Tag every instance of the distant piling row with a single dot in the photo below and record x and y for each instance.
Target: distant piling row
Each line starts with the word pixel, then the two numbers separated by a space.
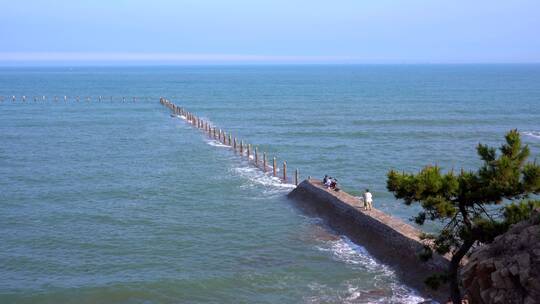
pixel 251 153
pixel 74 98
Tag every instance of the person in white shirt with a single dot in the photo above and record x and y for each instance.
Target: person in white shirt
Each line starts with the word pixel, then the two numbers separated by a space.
pixel 368 200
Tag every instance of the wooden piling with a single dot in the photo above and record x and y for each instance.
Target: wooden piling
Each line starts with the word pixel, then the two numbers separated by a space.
pixel 256 157
pixel 284 171
pixel 221 136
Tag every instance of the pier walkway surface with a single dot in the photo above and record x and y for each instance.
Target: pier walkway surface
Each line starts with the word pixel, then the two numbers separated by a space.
pixel 387 238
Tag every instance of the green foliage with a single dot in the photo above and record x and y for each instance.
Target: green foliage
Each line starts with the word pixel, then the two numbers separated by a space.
pixel 518 212
pixel 429 187
pixel 468 203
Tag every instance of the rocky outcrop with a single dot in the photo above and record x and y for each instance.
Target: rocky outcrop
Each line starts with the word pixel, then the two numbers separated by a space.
pixel 507 270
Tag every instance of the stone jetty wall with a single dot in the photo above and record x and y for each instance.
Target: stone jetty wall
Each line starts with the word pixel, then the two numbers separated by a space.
pixel 388 239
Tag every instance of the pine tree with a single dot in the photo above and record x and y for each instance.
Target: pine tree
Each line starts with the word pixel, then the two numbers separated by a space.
pixel 473 206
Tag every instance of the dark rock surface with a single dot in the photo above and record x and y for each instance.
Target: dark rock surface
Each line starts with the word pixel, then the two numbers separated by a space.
pixel 507 270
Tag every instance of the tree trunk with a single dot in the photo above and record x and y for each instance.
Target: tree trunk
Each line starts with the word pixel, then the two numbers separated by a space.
pixel 455 293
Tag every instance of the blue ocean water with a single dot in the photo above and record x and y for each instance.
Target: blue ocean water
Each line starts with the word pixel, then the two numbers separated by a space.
pixel 117 202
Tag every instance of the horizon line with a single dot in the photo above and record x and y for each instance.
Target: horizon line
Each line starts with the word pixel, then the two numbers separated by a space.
pixel 127 58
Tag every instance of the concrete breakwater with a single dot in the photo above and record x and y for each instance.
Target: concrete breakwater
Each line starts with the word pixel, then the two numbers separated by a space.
pixel 388 239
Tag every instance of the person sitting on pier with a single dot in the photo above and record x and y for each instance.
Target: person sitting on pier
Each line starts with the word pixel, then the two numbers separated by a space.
pixel 368 200
pixel 333 184
pixel 328 181
pixel 325 179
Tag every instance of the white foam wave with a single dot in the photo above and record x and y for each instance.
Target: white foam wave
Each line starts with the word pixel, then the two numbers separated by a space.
pixel 255 176
pixel 344 250
pixel 533 134
pixel 216 143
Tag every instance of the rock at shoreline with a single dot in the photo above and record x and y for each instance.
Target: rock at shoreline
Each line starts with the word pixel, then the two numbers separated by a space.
pixel 507 270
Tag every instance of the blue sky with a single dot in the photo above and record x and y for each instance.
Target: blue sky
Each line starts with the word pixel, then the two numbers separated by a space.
pixel 277 31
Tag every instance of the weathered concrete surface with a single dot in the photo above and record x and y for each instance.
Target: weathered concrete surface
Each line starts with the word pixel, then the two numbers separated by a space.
pixel 388 239
pixel 507 270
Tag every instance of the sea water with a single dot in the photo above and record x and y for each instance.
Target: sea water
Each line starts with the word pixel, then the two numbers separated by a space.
pixel 117 202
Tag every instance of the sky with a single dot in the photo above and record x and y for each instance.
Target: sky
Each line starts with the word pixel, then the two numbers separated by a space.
pixel 264 31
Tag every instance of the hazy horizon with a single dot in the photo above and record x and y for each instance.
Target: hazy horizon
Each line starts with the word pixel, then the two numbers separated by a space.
pixel 61 32
pixel 69 64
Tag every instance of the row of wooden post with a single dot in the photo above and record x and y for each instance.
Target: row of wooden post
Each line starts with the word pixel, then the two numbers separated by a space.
pixel 221 136
pixel 100 98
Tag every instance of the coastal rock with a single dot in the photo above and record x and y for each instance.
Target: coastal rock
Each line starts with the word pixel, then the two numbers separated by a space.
pixel 507 270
